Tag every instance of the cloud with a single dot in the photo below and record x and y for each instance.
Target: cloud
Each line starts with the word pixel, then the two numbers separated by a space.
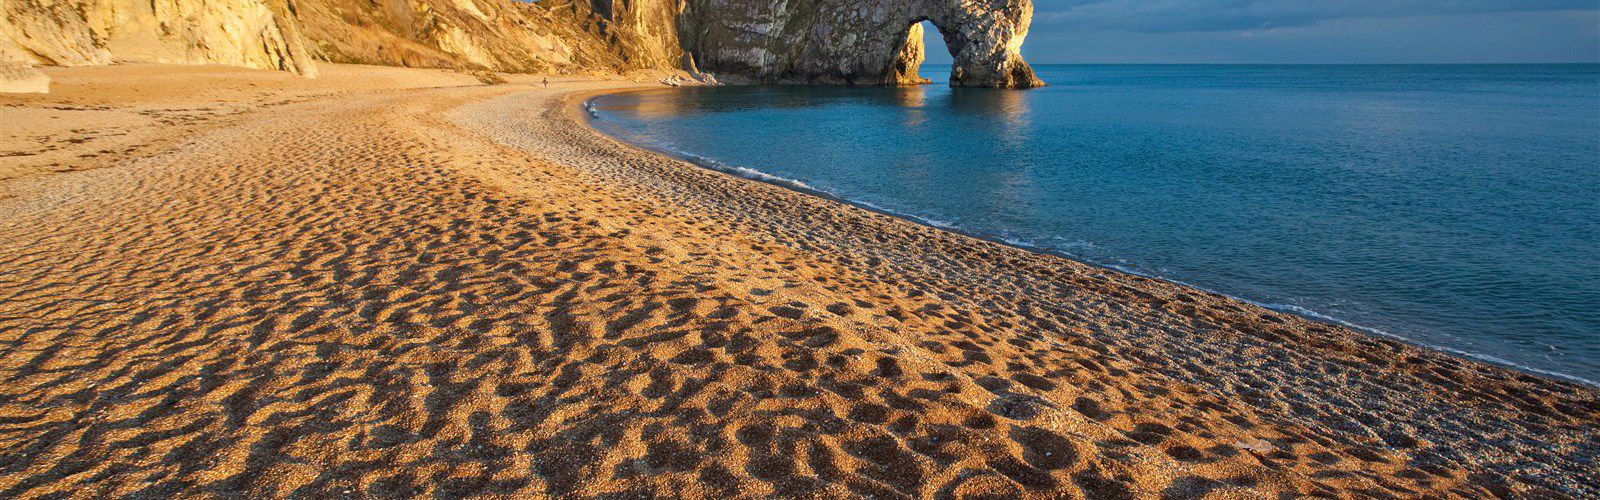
pixel 1170 16
pixel 1500 37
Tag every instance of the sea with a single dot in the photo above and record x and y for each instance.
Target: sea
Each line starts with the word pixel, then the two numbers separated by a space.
pixel 1455 207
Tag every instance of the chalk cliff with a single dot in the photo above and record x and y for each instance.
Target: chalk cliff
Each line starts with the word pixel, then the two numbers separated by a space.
pixel 809 41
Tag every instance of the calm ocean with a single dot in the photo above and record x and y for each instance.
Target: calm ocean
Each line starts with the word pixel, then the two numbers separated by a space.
pixel 1454 206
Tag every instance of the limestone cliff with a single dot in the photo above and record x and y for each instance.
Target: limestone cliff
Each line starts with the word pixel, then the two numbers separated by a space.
pixel 498 35
pixel 82 32
pixel 860 42
pixel 492 35
pixel 811 41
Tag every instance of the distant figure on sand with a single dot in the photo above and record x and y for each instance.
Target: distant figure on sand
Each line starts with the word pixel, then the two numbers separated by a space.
pixel 546 83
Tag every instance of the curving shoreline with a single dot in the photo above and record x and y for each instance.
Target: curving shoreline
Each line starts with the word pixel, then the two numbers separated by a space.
pixel 442 288
pixel 591 118
pixel 1013 272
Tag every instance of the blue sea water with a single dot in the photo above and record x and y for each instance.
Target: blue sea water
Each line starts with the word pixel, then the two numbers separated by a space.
pixel 1454 206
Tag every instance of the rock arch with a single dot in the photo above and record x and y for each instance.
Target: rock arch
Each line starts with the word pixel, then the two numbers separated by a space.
pixel 862 42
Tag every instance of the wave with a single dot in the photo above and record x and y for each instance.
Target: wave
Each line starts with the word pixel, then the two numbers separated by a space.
pixel 1491 359
pixel 1065 250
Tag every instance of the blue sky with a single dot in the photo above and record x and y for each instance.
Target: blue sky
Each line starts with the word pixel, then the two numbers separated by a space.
pixel 1309 31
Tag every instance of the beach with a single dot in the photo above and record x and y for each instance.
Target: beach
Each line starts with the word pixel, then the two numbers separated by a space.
pixel 391 282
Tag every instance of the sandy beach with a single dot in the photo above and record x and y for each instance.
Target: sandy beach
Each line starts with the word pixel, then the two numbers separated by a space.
pixel 391 282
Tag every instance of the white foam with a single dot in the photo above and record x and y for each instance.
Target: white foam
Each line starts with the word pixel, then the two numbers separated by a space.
pixel 751 173
pixel 914 217
pixel 1375 331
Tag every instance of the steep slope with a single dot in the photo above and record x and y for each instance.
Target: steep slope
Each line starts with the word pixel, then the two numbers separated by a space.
pixel 246 33
pixel 289 35
pixel 499 35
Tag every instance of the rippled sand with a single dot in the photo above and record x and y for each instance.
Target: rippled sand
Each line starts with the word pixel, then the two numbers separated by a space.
pixel 364 289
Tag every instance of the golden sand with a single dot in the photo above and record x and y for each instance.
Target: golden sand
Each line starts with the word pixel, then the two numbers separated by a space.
pixel 391 282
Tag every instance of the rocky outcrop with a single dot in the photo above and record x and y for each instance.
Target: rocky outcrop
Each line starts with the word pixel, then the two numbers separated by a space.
pixel 907 60
pixel 858 42
pixel 48 32
pixel 247 33
pixel 645 32
pixel 810 41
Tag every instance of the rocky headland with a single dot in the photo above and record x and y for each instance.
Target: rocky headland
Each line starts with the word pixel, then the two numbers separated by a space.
pixel 867 42
pixel 875 42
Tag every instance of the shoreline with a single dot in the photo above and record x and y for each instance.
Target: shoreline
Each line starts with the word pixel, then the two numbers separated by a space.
pixel 715 189
pixel 588 118
pixel 457 290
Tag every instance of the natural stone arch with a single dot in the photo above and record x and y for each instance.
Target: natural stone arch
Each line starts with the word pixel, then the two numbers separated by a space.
pixel 862 42
pixel 985 40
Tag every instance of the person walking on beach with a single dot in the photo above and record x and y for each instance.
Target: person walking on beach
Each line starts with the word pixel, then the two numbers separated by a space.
pixel 546 82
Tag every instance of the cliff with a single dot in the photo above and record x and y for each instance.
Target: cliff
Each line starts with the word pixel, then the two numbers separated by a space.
pixel 290 35
pixel 497 35
pixel 83 32
pixel 813 41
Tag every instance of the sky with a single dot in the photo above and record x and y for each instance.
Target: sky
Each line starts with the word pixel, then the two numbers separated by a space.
pixel 1308 31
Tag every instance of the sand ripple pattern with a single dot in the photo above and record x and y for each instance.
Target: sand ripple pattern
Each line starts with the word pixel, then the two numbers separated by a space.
pixel 361 297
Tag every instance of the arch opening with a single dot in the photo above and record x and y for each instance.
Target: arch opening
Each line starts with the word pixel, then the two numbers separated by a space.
pixel 923 42
pixel 938 52
pixel 980 61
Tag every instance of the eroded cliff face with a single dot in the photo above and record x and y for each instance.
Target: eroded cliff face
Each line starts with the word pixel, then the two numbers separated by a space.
pixel 495 35
pixel 907 60
pixel 861 42
pixel 82 32
pixel 811 41
pixel 290 35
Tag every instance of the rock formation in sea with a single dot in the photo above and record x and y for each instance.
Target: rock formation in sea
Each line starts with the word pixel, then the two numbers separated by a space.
pixel 860 42
pixel 804 41
pixel 907 60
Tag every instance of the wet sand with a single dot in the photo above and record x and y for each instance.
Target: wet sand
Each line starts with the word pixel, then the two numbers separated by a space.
pixel 401 288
